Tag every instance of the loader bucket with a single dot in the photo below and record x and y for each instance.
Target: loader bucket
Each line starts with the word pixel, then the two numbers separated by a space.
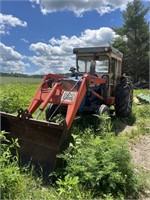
pixel 39 141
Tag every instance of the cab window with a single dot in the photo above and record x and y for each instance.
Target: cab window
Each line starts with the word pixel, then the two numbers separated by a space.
pixel 84 63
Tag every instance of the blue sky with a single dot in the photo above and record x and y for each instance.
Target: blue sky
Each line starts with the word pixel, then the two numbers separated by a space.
pixel 37 37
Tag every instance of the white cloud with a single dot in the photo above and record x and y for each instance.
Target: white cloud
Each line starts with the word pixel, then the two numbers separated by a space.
pixel 7 21
pixel 24 40
pixel 104 9
pixel 79 7
pixel 11 60
pixel 58 54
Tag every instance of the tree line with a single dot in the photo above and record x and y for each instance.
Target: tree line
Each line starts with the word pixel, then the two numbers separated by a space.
pixel 134 41
pixel 20 75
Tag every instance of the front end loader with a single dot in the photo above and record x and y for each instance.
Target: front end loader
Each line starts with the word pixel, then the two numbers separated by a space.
pixel 40 141
pixel 93 91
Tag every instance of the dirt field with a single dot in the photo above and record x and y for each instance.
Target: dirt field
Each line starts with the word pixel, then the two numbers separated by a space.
pixel 140 152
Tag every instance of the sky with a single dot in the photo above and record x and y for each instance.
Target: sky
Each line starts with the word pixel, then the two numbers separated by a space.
pixel 38 36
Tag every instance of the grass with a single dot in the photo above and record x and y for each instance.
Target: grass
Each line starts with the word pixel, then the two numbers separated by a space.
pixel 141 113
pixel 143 91
pixel 139 118
pixel 16 95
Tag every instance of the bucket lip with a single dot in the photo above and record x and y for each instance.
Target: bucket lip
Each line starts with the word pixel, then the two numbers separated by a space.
pixel 32 120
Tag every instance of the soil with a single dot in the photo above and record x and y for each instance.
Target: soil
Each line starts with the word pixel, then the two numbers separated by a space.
pixel 140 152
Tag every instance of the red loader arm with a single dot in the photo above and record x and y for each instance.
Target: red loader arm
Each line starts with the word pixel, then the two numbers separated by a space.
pixel 87 81
pixel 43 93
pixel 55 95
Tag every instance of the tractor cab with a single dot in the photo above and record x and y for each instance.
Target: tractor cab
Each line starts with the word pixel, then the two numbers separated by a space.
pixel 103 62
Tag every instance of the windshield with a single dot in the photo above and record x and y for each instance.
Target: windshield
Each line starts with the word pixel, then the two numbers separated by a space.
pixel 102 64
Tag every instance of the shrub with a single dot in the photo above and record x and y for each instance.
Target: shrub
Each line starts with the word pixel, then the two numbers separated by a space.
pixel 102 165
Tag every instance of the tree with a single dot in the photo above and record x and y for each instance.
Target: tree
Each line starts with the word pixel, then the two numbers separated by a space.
pixel 136 46
pixel 121 44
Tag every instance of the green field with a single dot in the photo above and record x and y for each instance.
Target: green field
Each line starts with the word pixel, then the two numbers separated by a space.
pixel 4 80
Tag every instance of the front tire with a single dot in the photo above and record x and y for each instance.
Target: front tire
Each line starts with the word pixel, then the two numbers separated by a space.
pixel 103 110
pixel 50 112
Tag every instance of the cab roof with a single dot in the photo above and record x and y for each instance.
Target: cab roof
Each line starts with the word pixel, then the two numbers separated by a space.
pixel 100 49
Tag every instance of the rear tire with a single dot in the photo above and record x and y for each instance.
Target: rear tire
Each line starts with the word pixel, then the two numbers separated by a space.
pixel 123 99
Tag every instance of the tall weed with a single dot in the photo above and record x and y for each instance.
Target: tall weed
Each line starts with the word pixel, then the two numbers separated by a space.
pixel 20 182
pixel 11 181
